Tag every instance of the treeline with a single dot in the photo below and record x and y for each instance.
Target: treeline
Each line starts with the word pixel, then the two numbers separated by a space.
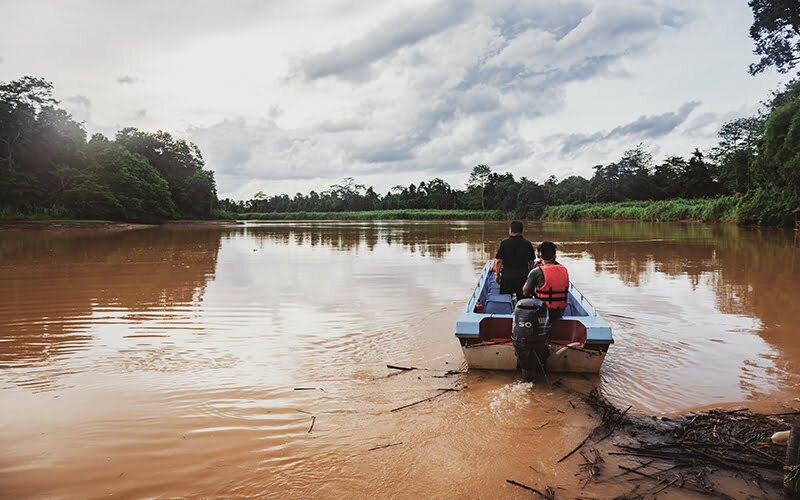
pixel 49 169
pixel 755 167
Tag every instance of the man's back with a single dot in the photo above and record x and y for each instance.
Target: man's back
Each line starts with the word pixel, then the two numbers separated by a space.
pixel 516 252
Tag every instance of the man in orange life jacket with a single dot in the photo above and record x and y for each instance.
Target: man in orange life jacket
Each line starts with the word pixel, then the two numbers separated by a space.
pixel 549 282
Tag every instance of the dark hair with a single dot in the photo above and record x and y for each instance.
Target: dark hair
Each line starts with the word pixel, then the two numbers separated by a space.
pixel 515 226
pixel 548 250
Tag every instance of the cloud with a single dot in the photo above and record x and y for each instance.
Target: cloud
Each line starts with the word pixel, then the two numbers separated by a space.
pixel 644 127
pixel 79 107
pixel 127 80
pixel 351 61
pixel 433 92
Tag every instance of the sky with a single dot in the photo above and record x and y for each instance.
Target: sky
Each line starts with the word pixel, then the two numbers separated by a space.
pixel 286 96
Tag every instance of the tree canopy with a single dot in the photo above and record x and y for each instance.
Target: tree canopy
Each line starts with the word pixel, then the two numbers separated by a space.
pixel 776 33
pixel 47 166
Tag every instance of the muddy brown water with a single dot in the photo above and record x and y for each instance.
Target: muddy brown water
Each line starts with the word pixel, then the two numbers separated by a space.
pixel 166 362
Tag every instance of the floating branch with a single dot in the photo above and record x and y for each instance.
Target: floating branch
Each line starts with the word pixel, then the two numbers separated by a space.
pixel 403 368
pixel 511 481
pixel 384 446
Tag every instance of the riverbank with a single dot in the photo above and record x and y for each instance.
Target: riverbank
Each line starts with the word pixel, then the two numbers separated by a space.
pixel 716 210
pixel 728 209
pixel 100 225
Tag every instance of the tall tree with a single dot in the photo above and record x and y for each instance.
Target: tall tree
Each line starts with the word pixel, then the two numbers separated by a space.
pixel 776 32
pixel 478 178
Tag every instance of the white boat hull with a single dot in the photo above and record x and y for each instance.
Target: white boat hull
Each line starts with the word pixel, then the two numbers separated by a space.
pixel 561 359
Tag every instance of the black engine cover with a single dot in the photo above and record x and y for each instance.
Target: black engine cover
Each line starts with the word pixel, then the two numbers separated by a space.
pixel 530 337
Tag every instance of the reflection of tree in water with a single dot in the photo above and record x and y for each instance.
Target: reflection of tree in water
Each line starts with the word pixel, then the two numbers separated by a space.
pixel 752 272
pixel 430 239
pixel 53 283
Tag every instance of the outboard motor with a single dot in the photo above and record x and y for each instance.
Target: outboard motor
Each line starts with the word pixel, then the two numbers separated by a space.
pixel 530 337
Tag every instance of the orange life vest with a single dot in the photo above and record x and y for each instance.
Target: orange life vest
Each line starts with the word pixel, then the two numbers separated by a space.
pixel 556 285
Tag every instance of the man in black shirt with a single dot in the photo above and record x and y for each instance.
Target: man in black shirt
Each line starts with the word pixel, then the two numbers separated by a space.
pixel 514 258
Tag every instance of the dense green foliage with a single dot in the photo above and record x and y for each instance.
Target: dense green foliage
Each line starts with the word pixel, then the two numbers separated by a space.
pixel 722 209
pixel 412 214
pixel 49 169
pixel 776 32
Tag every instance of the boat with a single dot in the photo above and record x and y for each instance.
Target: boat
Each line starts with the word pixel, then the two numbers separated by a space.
pixel 578 342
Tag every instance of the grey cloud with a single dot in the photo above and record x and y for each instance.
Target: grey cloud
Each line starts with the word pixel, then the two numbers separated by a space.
pixel 388 156
pixel 351 61
pixel 655 126
pixel 140 114
pixel 644 127
pixel 127 80
pixel 79 106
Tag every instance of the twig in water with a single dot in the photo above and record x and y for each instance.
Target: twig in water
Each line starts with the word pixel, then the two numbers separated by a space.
pixel 404 368
pixel 444 391
pixel 308 389
pixel 570 403
pixel 541 426
pixel 576 448
pixel 640 466
pixel 313 418
pixel 384 446
pixel 511 481
pixel 635 471
pixel 303 411
pixel 614 425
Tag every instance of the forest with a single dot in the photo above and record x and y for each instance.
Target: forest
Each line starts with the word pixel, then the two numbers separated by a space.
pixel 49 169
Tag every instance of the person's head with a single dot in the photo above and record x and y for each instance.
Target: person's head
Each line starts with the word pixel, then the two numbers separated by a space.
pixel 539 251
pixel 515 227
pixel 548 250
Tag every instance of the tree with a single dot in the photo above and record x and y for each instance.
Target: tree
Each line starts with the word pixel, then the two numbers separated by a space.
pixel 478 179
pixel 439 194
pixel 740 140
pixel 180 163
pixel 779 163
pixel 776 32
pixel 696 178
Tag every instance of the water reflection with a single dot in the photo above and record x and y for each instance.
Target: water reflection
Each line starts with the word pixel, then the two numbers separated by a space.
pixel 59 288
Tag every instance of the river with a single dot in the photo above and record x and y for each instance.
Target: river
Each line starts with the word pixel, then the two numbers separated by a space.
pixel 250 360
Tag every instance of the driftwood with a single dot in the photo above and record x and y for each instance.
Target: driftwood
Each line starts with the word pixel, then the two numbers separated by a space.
pixel 549 492
pixel 685 452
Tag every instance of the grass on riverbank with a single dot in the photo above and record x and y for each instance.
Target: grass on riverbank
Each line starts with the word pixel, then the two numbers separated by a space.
pixel 413 214
pixel 722 209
